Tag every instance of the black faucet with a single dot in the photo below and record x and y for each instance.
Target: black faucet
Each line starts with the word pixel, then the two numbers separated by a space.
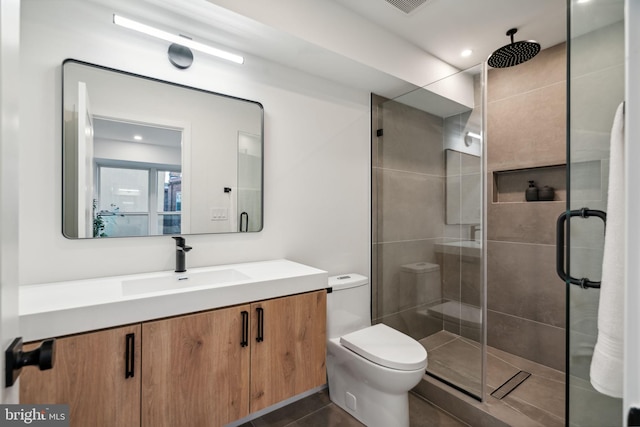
pixel 181 249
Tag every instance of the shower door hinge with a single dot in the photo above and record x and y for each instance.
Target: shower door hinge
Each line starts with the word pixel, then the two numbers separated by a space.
pixel 379 132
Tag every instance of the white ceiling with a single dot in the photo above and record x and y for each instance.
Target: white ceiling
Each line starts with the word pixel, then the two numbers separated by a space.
pixel 446 27
pixel 441 28
pixel 113 130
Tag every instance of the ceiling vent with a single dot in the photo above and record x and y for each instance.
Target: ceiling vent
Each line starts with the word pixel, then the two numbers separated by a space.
pixel 407 6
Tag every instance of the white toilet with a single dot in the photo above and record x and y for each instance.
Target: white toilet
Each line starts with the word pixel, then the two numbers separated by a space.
pixel 370 368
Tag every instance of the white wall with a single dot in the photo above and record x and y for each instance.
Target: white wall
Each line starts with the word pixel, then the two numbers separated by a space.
pixel 9 152
pixel 317 155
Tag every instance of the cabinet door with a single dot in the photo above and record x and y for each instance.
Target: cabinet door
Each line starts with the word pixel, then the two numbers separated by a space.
pixel 195 370
pixel 97 374
pixel 289 347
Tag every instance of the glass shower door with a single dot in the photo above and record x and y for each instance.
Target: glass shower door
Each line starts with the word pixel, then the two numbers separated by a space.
pixel 427 225
pixel 596 89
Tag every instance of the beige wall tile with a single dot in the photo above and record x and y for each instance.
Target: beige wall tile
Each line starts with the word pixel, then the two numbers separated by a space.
pixel 522 282
pixel 535 341
pixel 597 50
pixel 533 222
pixel 410 206
pixel 547 68
pixel 412 140
pixel 528 130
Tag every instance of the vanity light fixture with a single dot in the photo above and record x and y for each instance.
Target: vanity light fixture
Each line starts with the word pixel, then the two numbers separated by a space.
pixel 176 39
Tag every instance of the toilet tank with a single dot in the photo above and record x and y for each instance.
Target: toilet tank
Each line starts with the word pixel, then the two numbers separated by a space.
pixel 348 304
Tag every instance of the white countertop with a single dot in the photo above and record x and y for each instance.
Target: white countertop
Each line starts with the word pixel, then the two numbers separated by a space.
pixel 63 308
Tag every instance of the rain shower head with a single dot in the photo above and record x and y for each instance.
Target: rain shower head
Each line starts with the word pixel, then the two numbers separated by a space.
pixel 514 53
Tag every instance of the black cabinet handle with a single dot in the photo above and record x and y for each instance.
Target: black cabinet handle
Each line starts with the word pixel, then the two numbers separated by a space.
pixel 245 328
pixel 260 336
pixel 129 355
pixel 560 226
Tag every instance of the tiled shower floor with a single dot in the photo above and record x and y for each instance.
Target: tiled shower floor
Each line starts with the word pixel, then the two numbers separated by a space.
pixel 540 397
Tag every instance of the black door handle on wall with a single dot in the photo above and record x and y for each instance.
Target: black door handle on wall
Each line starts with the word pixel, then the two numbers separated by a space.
pixel 15 359
pixel 560 229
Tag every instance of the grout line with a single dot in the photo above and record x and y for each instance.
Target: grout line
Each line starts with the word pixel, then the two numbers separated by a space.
pixel 454 338
pixel 528 320
pixel 410 172
pixel 560 419
pixel 530 91
pixel 437 407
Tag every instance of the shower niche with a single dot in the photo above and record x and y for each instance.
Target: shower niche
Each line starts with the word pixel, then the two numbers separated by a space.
pixel 509 186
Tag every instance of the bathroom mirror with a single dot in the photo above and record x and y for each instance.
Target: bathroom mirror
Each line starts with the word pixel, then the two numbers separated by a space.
pixel 463 187
pixel 145 157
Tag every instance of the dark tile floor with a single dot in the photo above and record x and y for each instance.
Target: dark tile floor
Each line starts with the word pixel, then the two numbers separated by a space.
pixel 538 401
pixel 318 411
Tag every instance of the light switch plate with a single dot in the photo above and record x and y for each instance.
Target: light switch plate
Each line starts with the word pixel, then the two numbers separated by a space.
pixel 219 214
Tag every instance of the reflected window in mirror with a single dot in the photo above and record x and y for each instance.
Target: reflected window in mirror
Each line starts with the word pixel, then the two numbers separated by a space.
pixel 137 202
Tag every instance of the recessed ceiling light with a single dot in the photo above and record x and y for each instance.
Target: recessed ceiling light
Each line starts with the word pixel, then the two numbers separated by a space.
pixel 583 1
pixel 466 53
pixel 137 137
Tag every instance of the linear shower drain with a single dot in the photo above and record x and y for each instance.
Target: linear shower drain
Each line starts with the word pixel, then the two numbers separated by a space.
pixel 510 384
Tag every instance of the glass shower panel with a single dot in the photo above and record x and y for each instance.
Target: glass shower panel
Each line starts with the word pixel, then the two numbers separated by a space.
pixel 428 215
pixel 596 88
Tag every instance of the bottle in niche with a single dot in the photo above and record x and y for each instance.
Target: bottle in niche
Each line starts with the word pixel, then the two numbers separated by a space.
pixel 531 195
pixel 546 193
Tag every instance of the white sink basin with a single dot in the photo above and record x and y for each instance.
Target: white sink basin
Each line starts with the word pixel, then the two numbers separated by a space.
pixel 178 281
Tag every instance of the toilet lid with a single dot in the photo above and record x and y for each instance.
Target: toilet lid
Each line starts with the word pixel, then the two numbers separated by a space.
pixel 387 347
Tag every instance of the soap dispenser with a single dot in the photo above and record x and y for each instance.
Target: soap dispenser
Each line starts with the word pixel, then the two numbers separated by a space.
pixel 531 195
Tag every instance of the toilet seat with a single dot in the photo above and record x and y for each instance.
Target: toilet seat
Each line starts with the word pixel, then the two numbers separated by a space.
pixel 387 347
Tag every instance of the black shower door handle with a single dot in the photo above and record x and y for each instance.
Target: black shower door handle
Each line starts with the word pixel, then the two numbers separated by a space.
pixel 560 231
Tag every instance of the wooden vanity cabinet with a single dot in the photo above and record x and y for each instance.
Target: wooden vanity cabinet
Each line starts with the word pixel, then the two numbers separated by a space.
pixel 195 370
pixel 289 352
pixel 218 366
pixel 202 369
pixel 97 374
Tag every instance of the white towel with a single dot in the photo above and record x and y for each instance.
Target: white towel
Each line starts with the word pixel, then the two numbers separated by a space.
pixel 607 362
